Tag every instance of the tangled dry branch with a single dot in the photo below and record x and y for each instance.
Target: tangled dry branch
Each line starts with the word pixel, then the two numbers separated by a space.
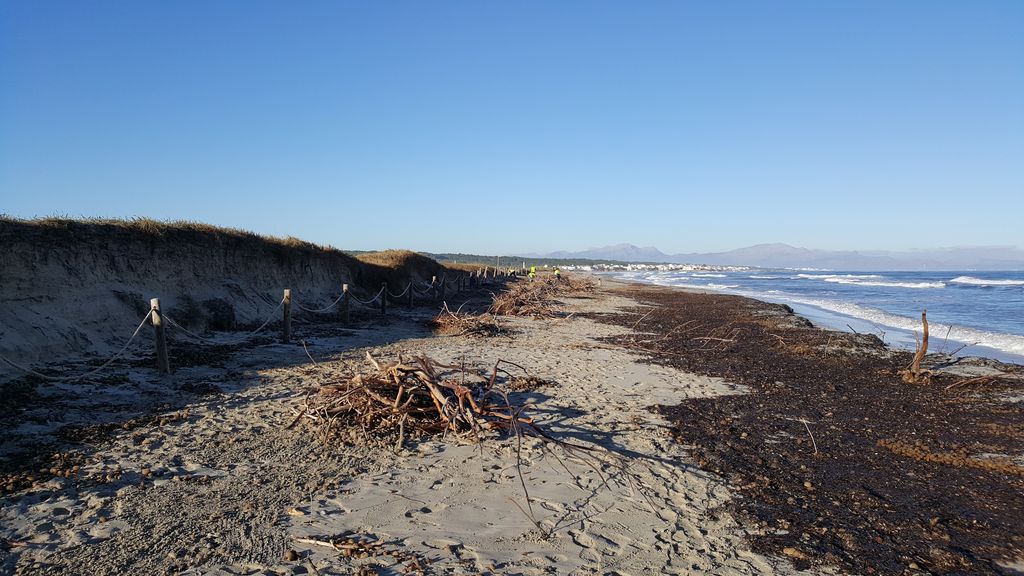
pixel 459 323
pixel 419 397
pixel 407 399
pixel 536 298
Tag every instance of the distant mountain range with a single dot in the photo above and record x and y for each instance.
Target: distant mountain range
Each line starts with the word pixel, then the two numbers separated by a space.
pixel 786 256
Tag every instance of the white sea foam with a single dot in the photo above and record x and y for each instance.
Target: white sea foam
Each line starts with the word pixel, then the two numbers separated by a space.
pixel 682 283
pixel 825 276
pixel 1010 343
pixel 859 282
pixel 1004 342
pixel 868 280
pixel 756 277
pixel 709 275
pixel 983 282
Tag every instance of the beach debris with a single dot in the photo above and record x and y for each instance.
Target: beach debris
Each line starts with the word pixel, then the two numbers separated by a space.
pixel 418 397
pixel 525 383
pixel 362 546
pixel 412 398
pixel 536 298
pixel 957 456
pixel 914 374
pixel 459 323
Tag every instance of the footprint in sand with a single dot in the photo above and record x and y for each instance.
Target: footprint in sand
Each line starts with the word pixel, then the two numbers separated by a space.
pixel 667 515
pixel 454 547
pixel 617 543
pixel 582 539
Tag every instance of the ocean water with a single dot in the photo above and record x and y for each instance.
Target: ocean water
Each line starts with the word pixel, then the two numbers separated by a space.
pixel 982 311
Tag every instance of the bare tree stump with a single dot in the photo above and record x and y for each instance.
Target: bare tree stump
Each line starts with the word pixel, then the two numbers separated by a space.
pixel 914 374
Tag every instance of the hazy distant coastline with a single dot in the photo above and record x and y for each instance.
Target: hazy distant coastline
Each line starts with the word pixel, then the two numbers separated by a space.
pixel 786 256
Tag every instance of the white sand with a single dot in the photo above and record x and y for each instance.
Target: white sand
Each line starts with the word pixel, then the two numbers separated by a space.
pixel 229 489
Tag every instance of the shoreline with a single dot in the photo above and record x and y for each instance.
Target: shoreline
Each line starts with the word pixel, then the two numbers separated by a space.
pixel 199 472
pixel 895 330
pixel 839 462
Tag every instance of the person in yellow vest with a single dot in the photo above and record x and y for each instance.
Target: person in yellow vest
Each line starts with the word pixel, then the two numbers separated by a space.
pixel 558 274
pixel 533 273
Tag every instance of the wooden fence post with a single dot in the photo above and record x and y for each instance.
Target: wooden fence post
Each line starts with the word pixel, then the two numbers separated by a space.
pixel 163 364
pixel 344 304
pixel 286 324
pixel 384 299
pixel 433 286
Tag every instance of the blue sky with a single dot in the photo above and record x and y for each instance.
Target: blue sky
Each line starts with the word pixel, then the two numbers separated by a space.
pixel 501 127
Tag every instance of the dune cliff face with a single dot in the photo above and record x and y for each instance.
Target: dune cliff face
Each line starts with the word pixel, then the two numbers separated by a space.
pixel 68 288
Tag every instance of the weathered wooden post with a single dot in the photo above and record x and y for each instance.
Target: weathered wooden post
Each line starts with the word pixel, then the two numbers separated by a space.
pixel 384 299
pixel 163 364
pixel 286 319
pixel 412 291
pixel 433 286
pixel 344 304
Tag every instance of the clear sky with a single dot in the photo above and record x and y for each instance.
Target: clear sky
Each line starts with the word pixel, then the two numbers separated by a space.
pixel 501 127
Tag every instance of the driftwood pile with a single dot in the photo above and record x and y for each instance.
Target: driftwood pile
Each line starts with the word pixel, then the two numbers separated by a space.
pixel 459 323
pixel 536 298
pixel 419 397
pixel 413 398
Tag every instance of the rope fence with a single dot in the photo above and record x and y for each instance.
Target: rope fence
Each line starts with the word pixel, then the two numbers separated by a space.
pixel 371 300
pixel 244 337
pixel 325 309
pixel 434 290
pixel 87 374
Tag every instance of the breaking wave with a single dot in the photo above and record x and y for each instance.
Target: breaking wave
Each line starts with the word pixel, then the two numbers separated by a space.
pixel 1010 343
pixel 869 280
pixel 972 281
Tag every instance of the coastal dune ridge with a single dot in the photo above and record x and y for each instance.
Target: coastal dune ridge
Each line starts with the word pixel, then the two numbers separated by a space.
pixel 72 287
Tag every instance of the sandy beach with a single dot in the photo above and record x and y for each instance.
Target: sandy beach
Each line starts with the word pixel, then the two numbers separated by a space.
pixel 199 472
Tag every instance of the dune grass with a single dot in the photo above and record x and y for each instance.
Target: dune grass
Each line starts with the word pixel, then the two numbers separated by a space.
pixel 395 258
pixel 152 227
pixel 65 228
